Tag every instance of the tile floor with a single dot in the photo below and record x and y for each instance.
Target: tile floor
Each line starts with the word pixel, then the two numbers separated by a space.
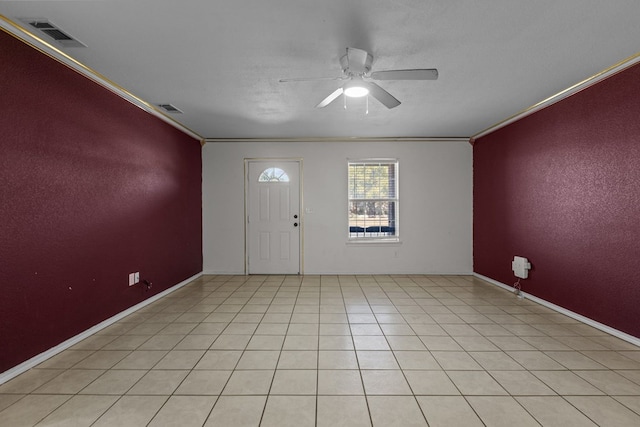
pixel 335 351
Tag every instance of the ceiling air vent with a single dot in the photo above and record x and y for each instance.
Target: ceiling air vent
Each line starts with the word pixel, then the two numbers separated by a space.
pixel 53 32
pixel 170 108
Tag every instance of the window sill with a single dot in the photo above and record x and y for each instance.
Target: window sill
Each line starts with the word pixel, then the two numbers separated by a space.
pixel 372 242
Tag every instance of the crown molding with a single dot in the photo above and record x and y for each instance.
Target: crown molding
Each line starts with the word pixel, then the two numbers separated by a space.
pixel 340 139
pixel 23 34
pixel 590 81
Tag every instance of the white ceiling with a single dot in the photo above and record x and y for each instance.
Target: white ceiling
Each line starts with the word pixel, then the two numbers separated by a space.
pixel 220 61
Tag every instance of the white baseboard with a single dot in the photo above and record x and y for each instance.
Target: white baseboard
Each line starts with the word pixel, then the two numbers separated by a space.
pixel 36 360
pixel 608 329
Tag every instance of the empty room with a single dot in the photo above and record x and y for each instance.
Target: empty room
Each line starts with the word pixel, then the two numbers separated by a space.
pixel 319 213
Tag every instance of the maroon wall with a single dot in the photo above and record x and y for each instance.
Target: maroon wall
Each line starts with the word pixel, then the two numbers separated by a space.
pixel 562 188
pixel 92 188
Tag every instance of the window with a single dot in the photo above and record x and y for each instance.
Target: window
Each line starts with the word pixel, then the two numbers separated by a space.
pixel 373 200
pixel 273 175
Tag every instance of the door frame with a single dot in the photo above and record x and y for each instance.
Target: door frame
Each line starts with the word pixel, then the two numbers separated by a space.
pixel 247 161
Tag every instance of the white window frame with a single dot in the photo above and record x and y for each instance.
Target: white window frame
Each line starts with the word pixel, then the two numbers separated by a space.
pixel 362 237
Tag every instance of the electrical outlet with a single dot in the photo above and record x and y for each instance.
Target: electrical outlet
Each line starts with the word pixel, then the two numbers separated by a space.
pixel 132 279
pixel 136 277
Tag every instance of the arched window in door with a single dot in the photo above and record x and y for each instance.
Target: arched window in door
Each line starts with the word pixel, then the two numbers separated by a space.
pixel 273 175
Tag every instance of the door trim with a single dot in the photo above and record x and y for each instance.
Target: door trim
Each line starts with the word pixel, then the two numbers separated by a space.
pixel 298 160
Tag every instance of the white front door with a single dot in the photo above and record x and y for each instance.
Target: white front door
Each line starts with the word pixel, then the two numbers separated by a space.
pixel 273 216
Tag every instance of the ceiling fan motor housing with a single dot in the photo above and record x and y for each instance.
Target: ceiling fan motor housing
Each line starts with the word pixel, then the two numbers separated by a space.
pixel 356 62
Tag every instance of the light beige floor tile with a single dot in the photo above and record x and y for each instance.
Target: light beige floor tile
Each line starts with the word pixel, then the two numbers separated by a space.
pixel 521 383
pixel 511 343
pixel 337 359
pixel 610 382
pixel 237 411
pixel 574 360
pixel 303 329
pixel 65 360
pixel 370 343
pixel 631 402
pixel 207 329
pixel 159 382
pixel 94 342
pixel 416 360
pixel 294 382
pixel 535 360
pixel 447 411
pixel 334 329
pixel 300 342
pixel 79 411
pixel 298 359
pixel 141 359
pixel 476 344
pixel 240 328
pixel 612 359
pixel 476 383
pixel 29 381
pixel 204 383
pixel 428 329
pixel 343 411
pixel 289 411
pixel 230 342
pixel 31 409
pixel 397 329
pixel 605 411
pixel 385 382
pixel 377 360
pixel 258 359
pixel 249 383
pixel 161 342
pixel 554 412
pixel 431 383
pixel 266 342
pixel 70 382
pixel 196 342
pixel 272 329
pixel 180 359
pixel 455 360
pixel 440 343
pixel 501 411
pixel 184 411
pixel 397 342
pixel 495 361
pixel 339 382
pixel 633 375
pixel 566 383
pixel 331 342
pixel 395 411
pixel 131 411
pixel 7 400
pixel 178 328
pixel 114 382
pixel 219 359
pixel 126 342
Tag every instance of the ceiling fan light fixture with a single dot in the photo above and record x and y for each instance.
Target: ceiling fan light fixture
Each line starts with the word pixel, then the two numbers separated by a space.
pixel 355 88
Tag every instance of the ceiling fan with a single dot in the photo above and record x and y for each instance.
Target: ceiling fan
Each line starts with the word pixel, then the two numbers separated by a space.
pixel 356 70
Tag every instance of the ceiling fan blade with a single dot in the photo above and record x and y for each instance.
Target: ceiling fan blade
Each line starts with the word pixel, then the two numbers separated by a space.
pixel 357 60
pixel 382 95
pixel 310 79
pixel 417 74
pixel 329 99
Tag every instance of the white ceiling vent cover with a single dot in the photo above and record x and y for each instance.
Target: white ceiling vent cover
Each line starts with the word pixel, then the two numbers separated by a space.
pixel 169 108
pixel 52 32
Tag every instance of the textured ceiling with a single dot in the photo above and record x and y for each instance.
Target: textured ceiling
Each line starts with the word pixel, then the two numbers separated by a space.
pixel 220 61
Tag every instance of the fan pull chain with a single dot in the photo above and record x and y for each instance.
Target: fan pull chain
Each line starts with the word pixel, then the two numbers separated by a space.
pixel 345 101
pixel 367 111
